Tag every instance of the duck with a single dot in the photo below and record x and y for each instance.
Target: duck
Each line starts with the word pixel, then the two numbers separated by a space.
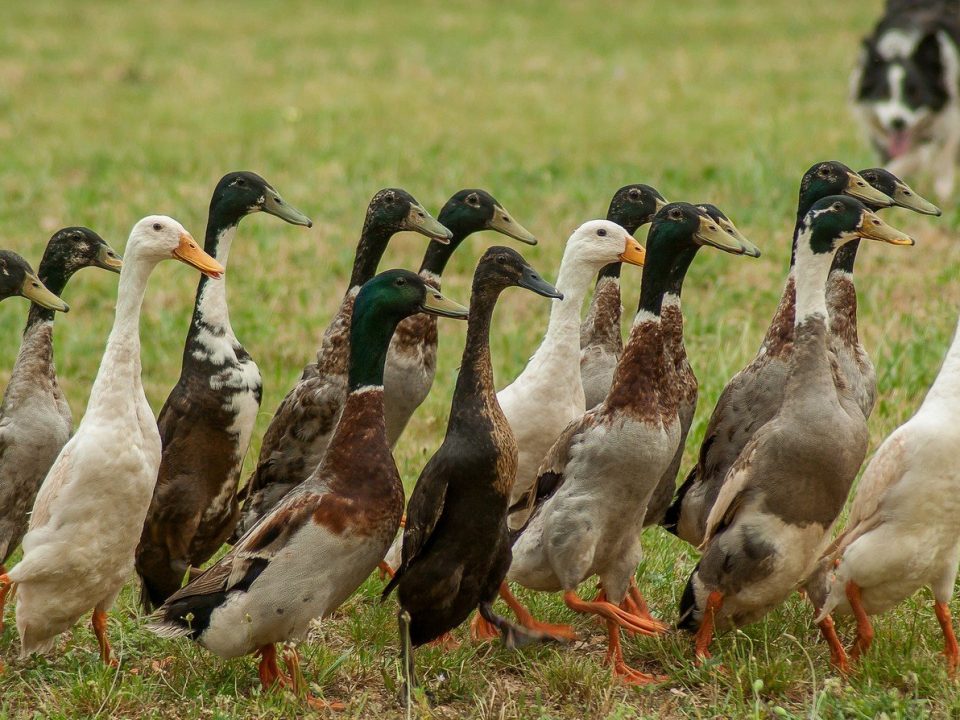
pixel 86 519
pixel 298 434
pixel 35 418
pixel 774 514
pixel 322 540
pixel 208 418
pixel 601 343
pixel 17 278
pixel 902 531
pixel 671 321
pixel 456 548
pixel 412 360
pixel 855 366
pixel 548 394
pixel 753 395
pixel 604 467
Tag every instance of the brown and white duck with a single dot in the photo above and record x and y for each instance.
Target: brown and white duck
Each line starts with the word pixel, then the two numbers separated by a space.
pixel 773 516
pixel 321 541
pixel 208 419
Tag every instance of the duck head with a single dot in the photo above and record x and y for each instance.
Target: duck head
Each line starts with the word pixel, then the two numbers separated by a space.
pixel 158 237
pixel 242 193
pixel 902 194
pixel 74 248
pixel 834 221
pixel 634 205
pixel 18 278
pixel 396 294
pixel 502 267
pixel 599 242
pixel 470 211
pixel 392 210
pixel 834 178
pixel 717 215
pixel 681 225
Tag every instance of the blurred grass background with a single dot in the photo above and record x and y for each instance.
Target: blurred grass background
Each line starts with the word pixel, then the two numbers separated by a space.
pixel 110 111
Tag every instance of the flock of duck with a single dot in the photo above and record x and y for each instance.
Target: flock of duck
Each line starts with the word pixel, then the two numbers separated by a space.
pixel 544 484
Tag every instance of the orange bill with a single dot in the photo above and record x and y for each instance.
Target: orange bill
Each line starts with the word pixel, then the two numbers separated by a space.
pixel 633 252
pixel 192 254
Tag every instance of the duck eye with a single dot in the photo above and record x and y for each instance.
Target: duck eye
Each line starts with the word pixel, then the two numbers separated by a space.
pixel 501 259
pixel 634 194
pixel 158 227
pixel 473 199
pixel 675 213
pixel 401 282
pixel 837 207
pixel 241 181
pixel 823 172
pixel 601 232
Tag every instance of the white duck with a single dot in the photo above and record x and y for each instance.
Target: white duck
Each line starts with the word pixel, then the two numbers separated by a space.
pixel 548 395
pixel 903 532
pixel 86 520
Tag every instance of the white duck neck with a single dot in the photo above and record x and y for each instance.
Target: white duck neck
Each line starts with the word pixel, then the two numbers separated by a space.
pixel 946 386
pixel 119 371
pixel 211 303
pixel 573 281
pixel 810 272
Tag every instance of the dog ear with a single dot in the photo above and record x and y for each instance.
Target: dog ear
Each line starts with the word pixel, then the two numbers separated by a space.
pixel 928 56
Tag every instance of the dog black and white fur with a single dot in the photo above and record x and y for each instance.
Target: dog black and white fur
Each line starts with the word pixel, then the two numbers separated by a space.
pixel 906 89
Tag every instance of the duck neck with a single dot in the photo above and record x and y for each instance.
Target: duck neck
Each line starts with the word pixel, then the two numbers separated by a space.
pixel 54 276
pixel 678 272
pixel 946 387
pixel 210 306
pixel 372 245
pixel 602 323
pixel 810 278
pixel 120 368
pixel 476 370
pixel 573 280
pixel 803 207
pixel 437 255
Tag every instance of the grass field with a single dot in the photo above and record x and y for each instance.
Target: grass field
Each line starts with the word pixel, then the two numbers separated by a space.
pixel 111 111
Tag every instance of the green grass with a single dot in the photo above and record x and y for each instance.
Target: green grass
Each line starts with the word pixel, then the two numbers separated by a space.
pixel 109 112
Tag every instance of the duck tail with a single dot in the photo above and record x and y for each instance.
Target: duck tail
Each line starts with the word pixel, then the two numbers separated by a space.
pixel 672 517
pixel 167 627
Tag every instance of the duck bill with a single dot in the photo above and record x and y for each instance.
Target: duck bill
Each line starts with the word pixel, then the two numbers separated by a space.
pixel 193 255
pixel 905 197
pixel 862 190
pixel 437 304
pixel 748 247
pixel 532 281
pixel 873 228
pixel 503 223
pixel 274 205
pixel 109 259
pixel 710 233
pixel 659 203
pixel 419 220
pixel 37 292
pixel 633 252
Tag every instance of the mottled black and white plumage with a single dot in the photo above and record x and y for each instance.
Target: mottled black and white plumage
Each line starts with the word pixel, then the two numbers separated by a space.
pixel 208 419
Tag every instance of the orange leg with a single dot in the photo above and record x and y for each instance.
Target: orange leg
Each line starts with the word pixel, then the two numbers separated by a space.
pixel 950 649
pixel 5 587
pixel 403 520
pixel 838 656
pixel 268 670
pixel 446 642
pixel 292 660
pixel 608 611
pixel 864 628
pixel 385 570
pixel 705 632
pixel 482 630
pixel 635 604
pixel 99 622
pixel 526 619
pixel 614 658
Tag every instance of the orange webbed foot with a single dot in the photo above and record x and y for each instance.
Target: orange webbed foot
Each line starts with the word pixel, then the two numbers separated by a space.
pixel 481 630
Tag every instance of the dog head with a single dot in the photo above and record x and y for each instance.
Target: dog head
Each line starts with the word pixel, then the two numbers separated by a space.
pixel 902 84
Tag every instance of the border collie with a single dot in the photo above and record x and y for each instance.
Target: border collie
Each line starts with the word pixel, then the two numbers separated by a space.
pixel 906 89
